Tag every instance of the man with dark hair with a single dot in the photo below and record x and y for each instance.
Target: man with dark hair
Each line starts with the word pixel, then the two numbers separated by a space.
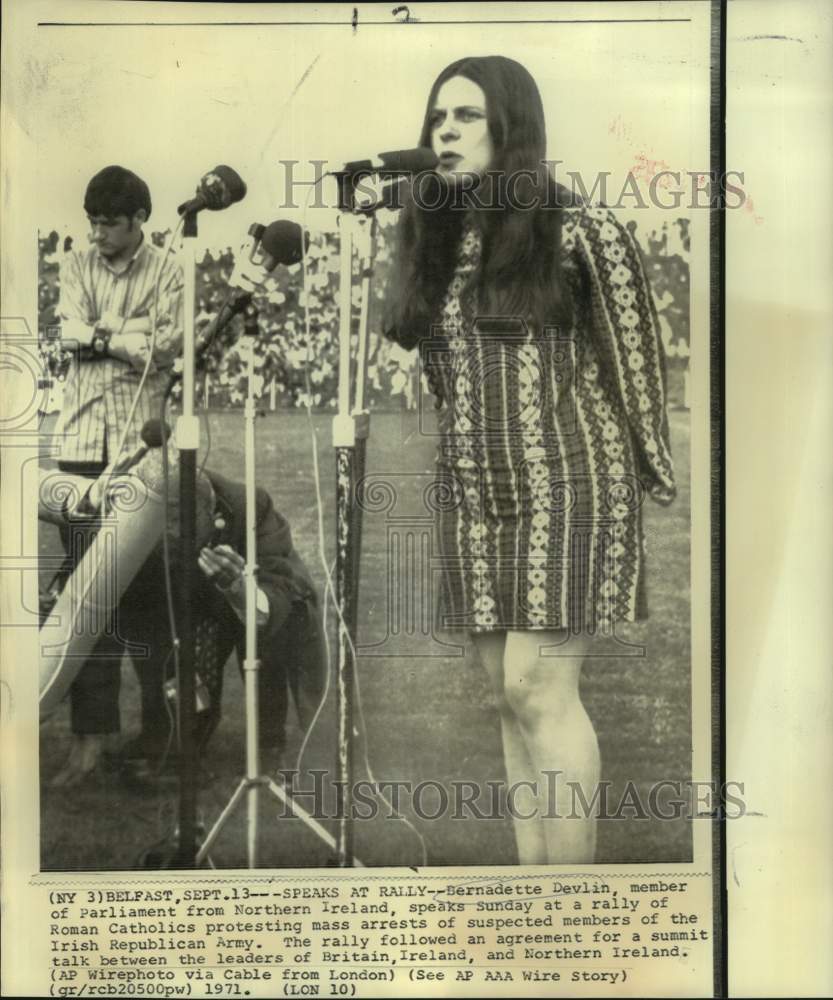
pixel 121 304
pixel 118 300
pixel 115 191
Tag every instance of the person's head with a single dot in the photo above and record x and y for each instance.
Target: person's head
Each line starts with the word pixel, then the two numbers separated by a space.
pixel 485 120
pixel 485 113
pixel 117 203
pixel 205 510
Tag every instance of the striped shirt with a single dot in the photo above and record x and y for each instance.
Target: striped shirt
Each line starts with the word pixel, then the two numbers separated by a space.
pixel 98 393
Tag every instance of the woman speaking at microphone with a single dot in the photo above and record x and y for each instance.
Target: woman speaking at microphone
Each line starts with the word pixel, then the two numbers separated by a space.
pixel 540 342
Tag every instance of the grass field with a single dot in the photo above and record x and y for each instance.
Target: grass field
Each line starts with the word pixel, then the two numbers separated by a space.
pixel 427 717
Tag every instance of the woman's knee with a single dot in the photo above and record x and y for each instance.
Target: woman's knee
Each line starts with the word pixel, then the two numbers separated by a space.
pixel 539 687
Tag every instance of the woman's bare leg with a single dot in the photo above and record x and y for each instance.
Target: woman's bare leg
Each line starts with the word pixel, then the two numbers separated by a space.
pixel 542 692
pixel 529 834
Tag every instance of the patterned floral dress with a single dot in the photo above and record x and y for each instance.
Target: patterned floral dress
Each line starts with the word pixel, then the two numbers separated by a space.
pixel 550 441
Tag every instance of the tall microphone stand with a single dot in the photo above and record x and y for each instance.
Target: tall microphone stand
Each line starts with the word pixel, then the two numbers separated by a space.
pixel 351 428
pixel 217 189
pixel 254 781
pixel 188 440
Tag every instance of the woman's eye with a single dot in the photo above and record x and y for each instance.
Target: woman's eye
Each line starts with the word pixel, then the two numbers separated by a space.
pixel 470 115
pixel 436 119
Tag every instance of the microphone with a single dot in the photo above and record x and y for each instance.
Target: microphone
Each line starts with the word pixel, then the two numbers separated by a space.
pixel 391 166
pixel 373 193
pixel 155 432
pixel 148 463
pixel 216 190
pixel 400 161
pixel 281 242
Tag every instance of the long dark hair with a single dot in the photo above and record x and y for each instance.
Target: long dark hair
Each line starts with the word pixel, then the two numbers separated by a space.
pixel 519 273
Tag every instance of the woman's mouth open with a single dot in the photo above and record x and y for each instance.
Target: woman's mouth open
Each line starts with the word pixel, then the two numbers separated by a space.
pixel 449 159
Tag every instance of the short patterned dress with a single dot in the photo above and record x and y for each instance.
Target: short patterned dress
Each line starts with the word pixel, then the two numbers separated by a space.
pixel 550 441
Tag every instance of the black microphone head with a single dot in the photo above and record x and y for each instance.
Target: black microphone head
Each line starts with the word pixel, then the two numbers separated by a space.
pixel 358 167
pixel 408 161
pixel 221 187
pixel 155 433
pixel 387 192
pixel 283 242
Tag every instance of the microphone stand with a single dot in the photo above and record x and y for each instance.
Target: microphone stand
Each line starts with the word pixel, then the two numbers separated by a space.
pixel 351 429
pixel 254 781
pixel 188 440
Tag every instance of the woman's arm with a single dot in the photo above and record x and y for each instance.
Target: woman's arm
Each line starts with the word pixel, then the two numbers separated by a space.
pixel 627 334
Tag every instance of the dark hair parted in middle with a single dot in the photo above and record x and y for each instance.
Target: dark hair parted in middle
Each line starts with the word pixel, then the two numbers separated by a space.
pixel 517 206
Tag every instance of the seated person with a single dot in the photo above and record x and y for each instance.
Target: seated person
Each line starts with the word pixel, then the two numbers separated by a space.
pixel 290 639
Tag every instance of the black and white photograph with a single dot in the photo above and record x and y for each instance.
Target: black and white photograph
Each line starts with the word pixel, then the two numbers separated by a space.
pixel 371 564
pixel 365 466
pixel 414 427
